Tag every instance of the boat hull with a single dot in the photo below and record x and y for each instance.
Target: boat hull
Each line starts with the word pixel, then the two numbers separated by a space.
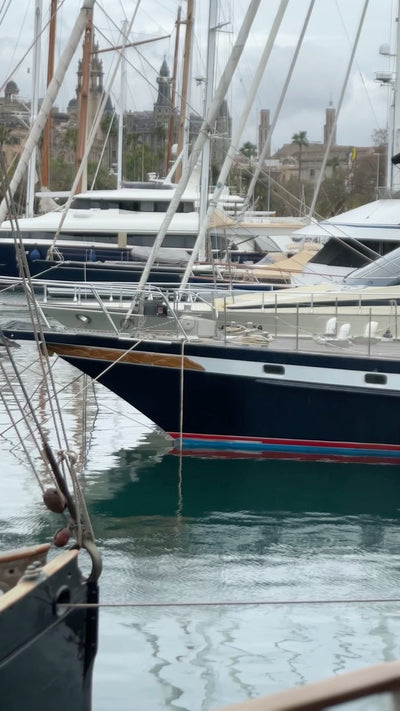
pixel 47 651
pixel 226 400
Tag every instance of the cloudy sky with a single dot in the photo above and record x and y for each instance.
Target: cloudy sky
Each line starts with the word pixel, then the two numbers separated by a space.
pixel 317 80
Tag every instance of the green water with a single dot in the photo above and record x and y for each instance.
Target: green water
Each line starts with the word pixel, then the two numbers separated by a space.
pixel 249 532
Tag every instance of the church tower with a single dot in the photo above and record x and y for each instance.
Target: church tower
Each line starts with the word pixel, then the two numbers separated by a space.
pixel 162 107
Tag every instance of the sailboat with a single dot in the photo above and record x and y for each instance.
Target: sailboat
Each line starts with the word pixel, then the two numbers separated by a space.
pixel 106 235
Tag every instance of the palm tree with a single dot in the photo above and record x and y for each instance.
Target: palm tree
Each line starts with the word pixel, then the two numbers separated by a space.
pixel 249 150
pixel 301 140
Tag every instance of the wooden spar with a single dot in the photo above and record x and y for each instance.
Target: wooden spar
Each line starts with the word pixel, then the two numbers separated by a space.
pixel 50 71
pixel 129 44
pixel 173 92
pixel 185 81
pixel 84 96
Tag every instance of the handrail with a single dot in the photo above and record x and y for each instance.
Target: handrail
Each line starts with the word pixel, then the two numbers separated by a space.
pixel 371 680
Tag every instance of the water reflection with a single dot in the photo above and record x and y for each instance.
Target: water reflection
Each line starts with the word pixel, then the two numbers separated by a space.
pixel 148 481
pixel 220 531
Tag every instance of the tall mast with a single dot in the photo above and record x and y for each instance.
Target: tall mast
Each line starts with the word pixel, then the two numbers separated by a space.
pixel 209 89
pixel 183 117
pixel 173 92
pixel 83 104
pixel 122 106
pixel 31 179
pixel 395 148
pixel 208 121
pixel 50 71
pixel 47 103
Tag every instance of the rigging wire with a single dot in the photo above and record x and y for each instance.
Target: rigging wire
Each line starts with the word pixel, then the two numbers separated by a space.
pixel 24 56
pixel 67 459
pixel 4 10
pixel 237 603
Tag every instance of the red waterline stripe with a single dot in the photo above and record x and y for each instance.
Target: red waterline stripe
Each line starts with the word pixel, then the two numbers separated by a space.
pixel 286 442
pixel 294 456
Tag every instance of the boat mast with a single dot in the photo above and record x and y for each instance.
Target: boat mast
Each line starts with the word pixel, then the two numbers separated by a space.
pixel 83 103
pixel 171 122
pixel 263 155
pixel 395 148
pixel 31 178
pixel 208 121
pixel 333 127
pixel 47 103
pixel 209 88
pixel 122 106
pixel 235 141
pixel 50 71
pixel 183 127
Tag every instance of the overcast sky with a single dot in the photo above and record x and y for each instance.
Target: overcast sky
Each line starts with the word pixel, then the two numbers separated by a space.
pixel 317 80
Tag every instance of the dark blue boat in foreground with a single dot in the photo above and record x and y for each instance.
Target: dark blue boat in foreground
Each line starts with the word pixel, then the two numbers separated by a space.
pixel 222 397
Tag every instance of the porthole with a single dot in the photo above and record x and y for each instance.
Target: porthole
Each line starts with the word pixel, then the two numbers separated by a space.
pixel 375 378
pixel 272 369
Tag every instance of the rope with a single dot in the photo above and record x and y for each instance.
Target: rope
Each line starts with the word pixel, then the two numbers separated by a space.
pixel 77 508
pixel 180 469
pixel 233 603
pixel 182 373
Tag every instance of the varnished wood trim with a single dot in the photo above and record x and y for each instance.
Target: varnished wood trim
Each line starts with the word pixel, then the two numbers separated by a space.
pixel 31 552
pixel 376 679
pixel 112 355
pixel 21 589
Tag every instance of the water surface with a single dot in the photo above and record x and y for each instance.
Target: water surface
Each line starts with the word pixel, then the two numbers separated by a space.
pixel 219 532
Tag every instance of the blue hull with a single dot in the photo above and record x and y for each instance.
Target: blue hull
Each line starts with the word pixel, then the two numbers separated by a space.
pixel 233 406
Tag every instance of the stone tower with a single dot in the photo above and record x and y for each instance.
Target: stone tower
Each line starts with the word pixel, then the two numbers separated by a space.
pixel 263 130
pixel 162 106
pixel 330 117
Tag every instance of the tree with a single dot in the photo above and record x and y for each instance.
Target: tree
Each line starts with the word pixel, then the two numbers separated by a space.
pixel 249 150
pixel 109 124
pixel 70 142
pixel 332 195
pixel 5 136
pixel 334 163
pixel 300 139
pixel 160 134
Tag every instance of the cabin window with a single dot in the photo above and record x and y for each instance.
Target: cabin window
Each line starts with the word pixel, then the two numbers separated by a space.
pixel 187 206
pixel 106 205
pixel 146 206
pixel 162 206
pixel 375 378
pixel 272 369
pixel 128 205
